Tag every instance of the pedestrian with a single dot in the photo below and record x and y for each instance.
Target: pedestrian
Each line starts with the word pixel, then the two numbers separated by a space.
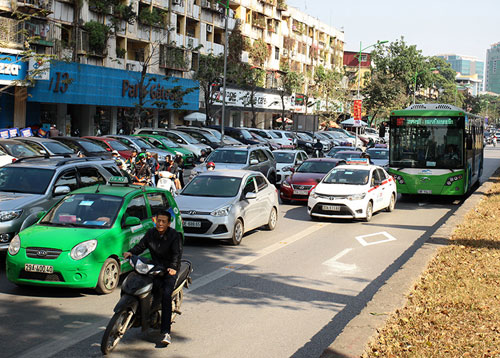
pixel 176 168
pixel 381 130
pixel 54 132
pixel 165 247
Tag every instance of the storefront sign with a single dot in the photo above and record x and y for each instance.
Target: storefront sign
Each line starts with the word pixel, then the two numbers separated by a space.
pixel 39 70
pixel 74 83
pixel 242 98
pixel 12 68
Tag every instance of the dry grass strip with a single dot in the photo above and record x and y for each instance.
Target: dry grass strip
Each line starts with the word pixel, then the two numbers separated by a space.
pixel 454 309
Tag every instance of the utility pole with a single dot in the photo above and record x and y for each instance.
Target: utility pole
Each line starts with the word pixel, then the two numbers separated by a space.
pixel 226 12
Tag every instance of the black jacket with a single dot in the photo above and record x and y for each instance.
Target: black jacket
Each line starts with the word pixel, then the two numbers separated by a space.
pixel 166 249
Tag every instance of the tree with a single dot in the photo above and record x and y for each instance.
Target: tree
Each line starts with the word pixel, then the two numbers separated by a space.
pixel 250 78
pixel 209 75
pixel 289 82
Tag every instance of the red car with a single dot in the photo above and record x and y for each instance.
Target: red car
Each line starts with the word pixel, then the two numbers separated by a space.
pixel 298 185
pixel 111 144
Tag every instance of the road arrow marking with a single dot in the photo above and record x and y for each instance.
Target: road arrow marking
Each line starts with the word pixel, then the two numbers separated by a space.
pixel 339 266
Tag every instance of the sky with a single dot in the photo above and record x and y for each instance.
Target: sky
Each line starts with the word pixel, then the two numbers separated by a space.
pixel 436 27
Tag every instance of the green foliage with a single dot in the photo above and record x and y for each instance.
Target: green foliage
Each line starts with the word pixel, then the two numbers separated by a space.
pixel 102 6
pixel 98 36
pixel 236 45
pixel 258 52
pixel 282 5
pixel 152 18
pixel 124 12
pixel 120 52
pixel 208 74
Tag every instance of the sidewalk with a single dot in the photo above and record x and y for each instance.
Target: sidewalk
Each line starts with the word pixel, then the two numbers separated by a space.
pixel 353 340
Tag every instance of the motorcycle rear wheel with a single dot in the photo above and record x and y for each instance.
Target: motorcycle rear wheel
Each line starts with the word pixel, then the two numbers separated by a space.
pixel 116 330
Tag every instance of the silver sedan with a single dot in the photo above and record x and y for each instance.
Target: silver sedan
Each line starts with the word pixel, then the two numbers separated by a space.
pixel 224 204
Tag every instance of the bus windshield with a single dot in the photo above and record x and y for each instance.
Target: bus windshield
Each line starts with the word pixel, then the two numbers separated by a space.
pixel 426 142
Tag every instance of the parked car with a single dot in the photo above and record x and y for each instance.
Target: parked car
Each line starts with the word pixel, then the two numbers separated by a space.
pixel 84 146
pixel 17 149
pixel 254 158
pixel 141 145
pixel 286 161
pixel 111 144
pixel 5 158
pixel 30 185
pixel 338 138
pixel 298 186
pixel 287 139
pixel 202 136
pixel 264 135
pixel 228 140
pixel 353 191
pixel 240 134
pixel 163 143
pixel 46 145
pixel 181 138
pixel 78 243
pixel 348 154
pixel 305 142
pixel 224 204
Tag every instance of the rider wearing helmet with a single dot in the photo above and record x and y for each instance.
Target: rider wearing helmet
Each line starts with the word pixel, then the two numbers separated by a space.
pixel 210 166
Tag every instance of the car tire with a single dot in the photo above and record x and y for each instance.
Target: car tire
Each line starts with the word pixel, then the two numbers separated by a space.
pixel 369 211
pixel 108 277
pixel 273 219
pixel 238 231
pixel 392 203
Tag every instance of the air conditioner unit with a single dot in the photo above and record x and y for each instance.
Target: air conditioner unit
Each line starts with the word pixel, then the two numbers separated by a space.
pixel 177 2
pixel 130 66
pixel 209 28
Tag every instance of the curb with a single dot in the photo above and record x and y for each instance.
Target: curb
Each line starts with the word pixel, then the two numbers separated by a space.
pixel 354 338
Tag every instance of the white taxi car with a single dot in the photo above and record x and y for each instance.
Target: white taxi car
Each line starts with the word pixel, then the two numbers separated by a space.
pixel 353 191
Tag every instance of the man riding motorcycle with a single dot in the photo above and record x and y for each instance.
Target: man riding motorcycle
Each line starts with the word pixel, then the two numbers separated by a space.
pixel 142 170
pixel 165 246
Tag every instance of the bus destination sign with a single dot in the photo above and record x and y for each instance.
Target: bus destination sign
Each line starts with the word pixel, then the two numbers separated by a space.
pixel 415 121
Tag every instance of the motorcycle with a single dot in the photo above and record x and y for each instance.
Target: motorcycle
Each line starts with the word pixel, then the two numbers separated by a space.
pixel 167 182
pixel 136 307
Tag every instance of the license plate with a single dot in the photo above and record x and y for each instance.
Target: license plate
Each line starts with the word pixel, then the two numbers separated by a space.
pixel 191 223
pixel 301 192
pixel 425 191
pixel 331 207
pixel 38 268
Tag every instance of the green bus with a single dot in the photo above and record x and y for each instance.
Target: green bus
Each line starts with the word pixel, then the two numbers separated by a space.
pixel 435 149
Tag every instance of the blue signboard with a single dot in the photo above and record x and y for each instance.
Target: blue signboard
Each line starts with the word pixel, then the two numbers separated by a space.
pixel 75 83
pixel 12 68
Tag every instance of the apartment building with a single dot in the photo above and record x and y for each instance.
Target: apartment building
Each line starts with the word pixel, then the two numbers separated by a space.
pixel 292 37
pixel 493 69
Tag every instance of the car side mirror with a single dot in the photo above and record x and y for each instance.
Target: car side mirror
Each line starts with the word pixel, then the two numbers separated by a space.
pixel 251 196
pixel 61 190
pixel 179 140
pixel 377 182
pixel 203 140
pixel 254 161
pixel 132 221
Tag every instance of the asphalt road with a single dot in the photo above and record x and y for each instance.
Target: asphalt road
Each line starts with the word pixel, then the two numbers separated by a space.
pixel 284 293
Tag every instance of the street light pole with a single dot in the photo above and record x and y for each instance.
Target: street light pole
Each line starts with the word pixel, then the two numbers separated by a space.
pixel 358 97
pixel 226 11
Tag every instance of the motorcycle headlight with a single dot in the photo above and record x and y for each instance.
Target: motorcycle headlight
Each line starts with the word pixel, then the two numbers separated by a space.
pixel 143 268
pixel 224 211
pixel 357 196
pixel 15 245
pixel 286 184
pixel 7 215
pixel 83 249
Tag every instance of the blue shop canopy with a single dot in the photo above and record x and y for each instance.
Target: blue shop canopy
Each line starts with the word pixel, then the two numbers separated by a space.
pixel 75 83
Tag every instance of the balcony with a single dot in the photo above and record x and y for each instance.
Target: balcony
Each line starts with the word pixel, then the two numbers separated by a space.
pixel 32 6
pixel 178 6
pixel 174 58
pixel 192 42
pixel 11 32
pixel 37 32
pixel 161 3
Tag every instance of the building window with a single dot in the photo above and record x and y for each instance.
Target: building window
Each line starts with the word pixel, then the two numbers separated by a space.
pixel 276 53
pixel 364 58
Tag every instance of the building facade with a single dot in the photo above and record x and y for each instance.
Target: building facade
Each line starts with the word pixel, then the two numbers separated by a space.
pixel 493 69
pixel 467 67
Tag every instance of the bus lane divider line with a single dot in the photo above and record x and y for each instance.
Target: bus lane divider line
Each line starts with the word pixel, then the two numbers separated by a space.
pixel 73 337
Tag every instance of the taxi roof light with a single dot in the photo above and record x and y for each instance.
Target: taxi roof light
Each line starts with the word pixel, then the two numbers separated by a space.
pixel 358 161
pixel 118 180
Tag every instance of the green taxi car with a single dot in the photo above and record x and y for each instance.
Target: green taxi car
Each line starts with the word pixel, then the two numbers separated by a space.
pixel 79 242
pixel 162 142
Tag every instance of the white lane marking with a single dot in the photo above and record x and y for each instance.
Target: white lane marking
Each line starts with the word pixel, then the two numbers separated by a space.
pixel 53 347
pixel 388 237
pixel 223 271
pixel 334 264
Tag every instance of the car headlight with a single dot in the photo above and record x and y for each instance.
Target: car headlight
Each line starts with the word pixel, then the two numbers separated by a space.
pixel 356 196
pixel 313 194
pixel 15 245
pixel 286 184
pixel 7 215
pixel 224 211
pixel 83 249
pixel 286 169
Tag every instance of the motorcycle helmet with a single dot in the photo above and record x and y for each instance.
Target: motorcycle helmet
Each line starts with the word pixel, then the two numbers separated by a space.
pixel 210 166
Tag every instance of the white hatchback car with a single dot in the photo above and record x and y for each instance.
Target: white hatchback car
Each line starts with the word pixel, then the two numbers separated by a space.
pixel 353 191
